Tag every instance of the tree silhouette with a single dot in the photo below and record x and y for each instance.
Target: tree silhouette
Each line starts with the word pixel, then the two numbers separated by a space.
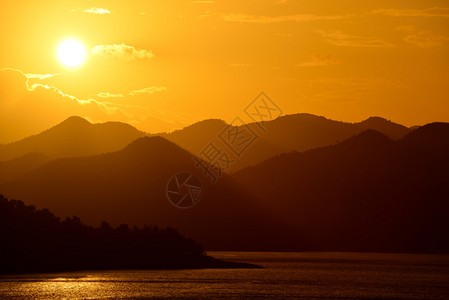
pixel 37 241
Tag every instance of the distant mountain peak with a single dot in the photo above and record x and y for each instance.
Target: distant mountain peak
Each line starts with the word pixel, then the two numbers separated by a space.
pixel 151 143
pixel 209 122
pixel 376 118
pixel 302 116
pixel 392 130
pixel 368 137
pixel 430 134
pixel 75 120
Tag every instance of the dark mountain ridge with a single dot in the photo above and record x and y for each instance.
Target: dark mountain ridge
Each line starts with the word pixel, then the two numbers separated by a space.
pixel 129 186
pixel 368 193
pixel 74 137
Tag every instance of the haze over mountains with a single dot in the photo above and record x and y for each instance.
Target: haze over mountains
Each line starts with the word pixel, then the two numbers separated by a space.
pixel 368 192
pixel 326 185
pixel 128 186
pixel 299 132
pixel 77 137
pixel 74 137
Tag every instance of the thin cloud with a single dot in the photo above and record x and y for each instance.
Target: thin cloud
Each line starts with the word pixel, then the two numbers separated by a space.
pixel 41 76
pixel 426 12
pixel 339 38
pixel 318 60
pixel 122 51
pixel 93 10
pixel 243 18
pixel 347 89
pixel 109 95
pixel 148 90
pixel 33 86
pixel 287 35
pixel 239 65
pixel 422 38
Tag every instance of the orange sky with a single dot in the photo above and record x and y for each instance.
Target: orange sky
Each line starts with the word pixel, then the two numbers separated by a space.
pixel 161 64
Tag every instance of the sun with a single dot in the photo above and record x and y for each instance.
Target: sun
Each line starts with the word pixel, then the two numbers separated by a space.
pixel 71 52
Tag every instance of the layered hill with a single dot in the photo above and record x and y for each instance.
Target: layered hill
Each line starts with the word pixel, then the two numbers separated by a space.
pixel 298 132
pixel 74 137
pixel 15 167
pixel 77 137
pixel 368 193
pixel 129 186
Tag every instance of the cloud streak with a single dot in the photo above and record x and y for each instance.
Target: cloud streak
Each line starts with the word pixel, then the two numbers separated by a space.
pixel 36 76
pixel 147 90
pixel 109 95
pixel 318 60
pixel 122 51
pixel 426 12
pixel 339 38
pixel 93 10
pixel 31 87
pixel 243 18
pixel 422 38
pixel 347 89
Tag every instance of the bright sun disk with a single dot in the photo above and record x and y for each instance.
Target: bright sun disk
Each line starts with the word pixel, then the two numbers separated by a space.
pixel 71 52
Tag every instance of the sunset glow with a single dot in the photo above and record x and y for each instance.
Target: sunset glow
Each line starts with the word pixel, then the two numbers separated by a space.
pixel 217 149
pixel 193 60
pixel 71 53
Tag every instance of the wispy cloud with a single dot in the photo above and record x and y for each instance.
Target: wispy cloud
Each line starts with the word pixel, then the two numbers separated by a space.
pixel 347 89
pixel 243 18
pixel 338 38
pixel 422 38
pixel 318 60
pixel 93 10
pixel 426 12
pixel 287 35
pixel 238 65
pixel 38 76
pixel 109 95
pixel 106 107
pixel 148 90
pixel 122 51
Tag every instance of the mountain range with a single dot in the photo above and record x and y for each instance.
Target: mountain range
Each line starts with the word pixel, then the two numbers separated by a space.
pixel 129 187
pixel 74 136
pixel 306 183
pixel 300 132
pixel 367 193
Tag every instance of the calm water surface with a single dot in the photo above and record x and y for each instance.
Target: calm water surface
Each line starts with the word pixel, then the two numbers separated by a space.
pixel 285 275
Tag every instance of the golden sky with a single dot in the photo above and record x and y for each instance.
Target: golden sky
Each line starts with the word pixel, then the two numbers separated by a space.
pixel 162 64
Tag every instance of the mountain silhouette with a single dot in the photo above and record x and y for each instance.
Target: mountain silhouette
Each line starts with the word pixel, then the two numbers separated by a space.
pixel 368 193
pixel 37 241
pixel 74 137
pixel 298 132
pixel 13 168
pixel 390 129
pixel 77 137
pixel 129 186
